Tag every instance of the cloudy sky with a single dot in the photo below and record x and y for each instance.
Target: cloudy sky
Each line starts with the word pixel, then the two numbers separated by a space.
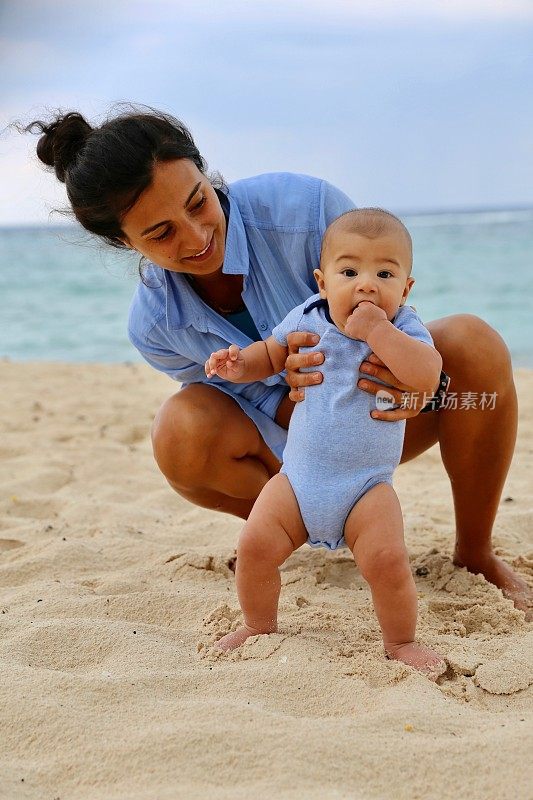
pixel 406 104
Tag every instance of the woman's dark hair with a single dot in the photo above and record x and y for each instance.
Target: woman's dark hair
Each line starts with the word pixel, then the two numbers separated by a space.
pixel 106 168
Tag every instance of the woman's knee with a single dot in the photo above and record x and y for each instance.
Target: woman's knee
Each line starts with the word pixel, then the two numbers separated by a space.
pixel 183 436
pixel 471 348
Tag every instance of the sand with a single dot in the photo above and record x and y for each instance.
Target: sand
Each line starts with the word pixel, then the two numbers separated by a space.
pixel 113 590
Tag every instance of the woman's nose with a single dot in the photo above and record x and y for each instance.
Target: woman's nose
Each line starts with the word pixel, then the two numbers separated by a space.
pixel 193 237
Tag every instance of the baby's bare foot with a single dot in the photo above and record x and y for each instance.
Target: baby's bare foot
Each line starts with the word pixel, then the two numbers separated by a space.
pixel 234 639
pixel 421 658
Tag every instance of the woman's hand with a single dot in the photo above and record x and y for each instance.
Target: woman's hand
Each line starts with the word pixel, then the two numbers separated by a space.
pixel 413 399
pixel 296 360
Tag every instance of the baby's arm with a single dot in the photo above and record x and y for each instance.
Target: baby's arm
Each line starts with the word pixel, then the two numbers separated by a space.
pixel 411 361
pixel 254 363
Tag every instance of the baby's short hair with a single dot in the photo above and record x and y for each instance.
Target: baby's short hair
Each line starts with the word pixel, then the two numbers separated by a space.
pixel 369 222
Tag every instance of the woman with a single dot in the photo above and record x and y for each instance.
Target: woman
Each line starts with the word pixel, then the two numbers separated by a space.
pixel 227 265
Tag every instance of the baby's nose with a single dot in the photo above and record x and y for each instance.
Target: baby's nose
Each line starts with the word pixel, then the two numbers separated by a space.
pixel 366 284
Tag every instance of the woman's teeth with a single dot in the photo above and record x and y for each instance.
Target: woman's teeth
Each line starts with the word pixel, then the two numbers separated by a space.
pixel 206 253
pixel 202 251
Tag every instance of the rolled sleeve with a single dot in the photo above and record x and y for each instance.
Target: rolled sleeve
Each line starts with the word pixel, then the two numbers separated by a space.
pixel 171 363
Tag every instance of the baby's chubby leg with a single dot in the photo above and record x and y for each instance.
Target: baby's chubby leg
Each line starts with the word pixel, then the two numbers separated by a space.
pixel 374 533
pixel 272 532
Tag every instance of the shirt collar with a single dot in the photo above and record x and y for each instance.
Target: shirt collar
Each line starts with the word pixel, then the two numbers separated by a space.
pixel 236 258
pixel 182 304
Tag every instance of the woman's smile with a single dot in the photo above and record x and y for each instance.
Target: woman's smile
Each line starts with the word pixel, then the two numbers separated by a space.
pixel 204 254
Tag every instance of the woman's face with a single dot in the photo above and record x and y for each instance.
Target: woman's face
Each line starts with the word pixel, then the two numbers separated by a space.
pixel 178 222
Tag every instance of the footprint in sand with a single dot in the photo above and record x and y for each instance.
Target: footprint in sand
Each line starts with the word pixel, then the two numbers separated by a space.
pixel 64 644
pixel 9 544
pixel 220 565
pixel 341 573
pixel 43 483
pixel 10 452
pixel 127 434
pixel 35 508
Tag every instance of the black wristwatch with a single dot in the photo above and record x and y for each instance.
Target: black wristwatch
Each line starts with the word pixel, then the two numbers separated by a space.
pixel 438 398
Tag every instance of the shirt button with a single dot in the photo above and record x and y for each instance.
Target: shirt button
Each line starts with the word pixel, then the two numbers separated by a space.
pixel 263 326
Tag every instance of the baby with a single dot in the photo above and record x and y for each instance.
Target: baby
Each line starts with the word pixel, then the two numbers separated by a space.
pixel 335 485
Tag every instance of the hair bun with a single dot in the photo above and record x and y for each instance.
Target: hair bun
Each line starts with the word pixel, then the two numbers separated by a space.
pixel 61 141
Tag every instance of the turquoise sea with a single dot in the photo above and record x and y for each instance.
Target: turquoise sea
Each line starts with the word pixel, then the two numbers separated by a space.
pixel 64 297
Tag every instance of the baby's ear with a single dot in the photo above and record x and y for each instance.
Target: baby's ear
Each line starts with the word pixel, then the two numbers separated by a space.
pixel 408 286
pixel 319 278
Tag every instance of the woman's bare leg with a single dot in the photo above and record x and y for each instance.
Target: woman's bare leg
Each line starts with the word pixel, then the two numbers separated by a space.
pixel 476 444
pixel 210 451
pixel 273 531
pixel 374 533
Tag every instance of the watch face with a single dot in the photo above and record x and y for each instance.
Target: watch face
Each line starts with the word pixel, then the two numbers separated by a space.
pixel 440 394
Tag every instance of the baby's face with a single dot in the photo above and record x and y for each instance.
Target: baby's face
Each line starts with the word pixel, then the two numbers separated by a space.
pixel 354 268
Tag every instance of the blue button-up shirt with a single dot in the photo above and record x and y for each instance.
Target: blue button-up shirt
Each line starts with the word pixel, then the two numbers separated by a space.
pixel 273 240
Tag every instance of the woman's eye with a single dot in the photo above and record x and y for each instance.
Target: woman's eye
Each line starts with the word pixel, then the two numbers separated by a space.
pixel 161 236
pixel 168 231
pixel 198 205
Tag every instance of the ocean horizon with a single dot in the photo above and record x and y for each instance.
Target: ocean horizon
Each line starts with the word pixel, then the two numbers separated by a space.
pixel 65 297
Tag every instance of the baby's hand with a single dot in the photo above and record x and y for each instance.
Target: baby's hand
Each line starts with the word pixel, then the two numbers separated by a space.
pixel 363 320
pixel 227 364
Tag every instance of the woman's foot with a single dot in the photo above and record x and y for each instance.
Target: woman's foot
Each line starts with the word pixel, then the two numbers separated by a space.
pixel 501 575
pixel 234 639
pixel 425 660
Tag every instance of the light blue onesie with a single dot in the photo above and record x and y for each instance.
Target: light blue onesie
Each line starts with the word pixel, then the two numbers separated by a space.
pixel 335 451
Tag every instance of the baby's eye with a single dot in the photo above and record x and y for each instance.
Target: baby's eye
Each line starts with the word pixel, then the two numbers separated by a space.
pixel 384 273
pixel 350 273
